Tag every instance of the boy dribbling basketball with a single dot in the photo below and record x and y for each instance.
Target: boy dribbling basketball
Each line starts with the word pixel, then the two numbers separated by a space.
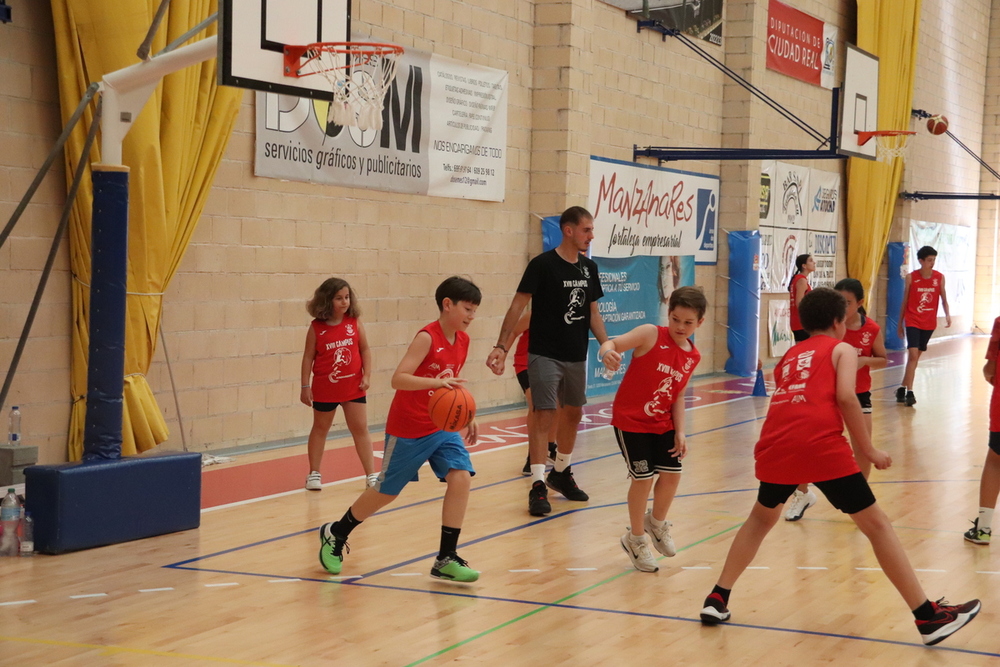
pixel 802 440
pixel 648 418
pixel 434 359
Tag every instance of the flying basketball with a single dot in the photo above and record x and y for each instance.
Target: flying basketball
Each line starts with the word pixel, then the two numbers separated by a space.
pixel 937 124
pixel 451 408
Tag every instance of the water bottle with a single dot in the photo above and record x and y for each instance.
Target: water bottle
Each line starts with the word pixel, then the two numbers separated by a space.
pixel 10 517
pixel 27 534
pixel 14 427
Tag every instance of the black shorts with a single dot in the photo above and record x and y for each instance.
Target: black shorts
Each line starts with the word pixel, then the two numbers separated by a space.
pixel 995 441
pixel 319 406
pixel 647 453
pixel 800 335
pixel 849 494
pixel 522 379
pixel 918 338
pixel 865 399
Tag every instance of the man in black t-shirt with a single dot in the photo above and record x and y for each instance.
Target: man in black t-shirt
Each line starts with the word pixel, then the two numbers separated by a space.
pixel 564 287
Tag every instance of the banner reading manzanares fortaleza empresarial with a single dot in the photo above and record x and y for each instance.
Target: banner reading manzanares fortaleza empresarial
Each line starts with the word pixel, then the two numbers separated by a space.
pixel 444 134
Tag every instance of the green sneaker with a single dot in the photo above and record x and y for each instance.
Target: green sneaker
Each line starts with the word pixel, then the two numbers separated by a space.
pixel 977 536
pixel 453 568
pixel 331 549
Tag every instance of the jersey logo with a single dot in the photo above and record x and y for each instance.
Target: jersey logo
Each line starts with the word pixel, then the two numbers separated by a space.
pixel 439 349
pixel 687 365
pixel 664 347
pixel 341 360
pixel 349 329
pixel 799 399
pixel 577 297
pixel 323 332
pixel 585 271
pixel 434 367
pixel 924 306
pixel 866 338
pixel 663 397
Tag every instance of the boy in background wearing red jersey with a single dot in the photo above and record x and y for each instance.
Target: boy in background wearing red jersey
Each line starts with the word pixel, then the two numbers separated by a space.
pixel 433 360
pixel 989 483
pixel 648 418
pixel 921 293
pixel 802 440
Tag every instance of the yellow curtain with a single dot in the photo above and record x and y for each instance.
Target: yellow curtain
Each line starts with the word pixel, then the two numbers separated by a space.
pixel 887 29
pixel 173 150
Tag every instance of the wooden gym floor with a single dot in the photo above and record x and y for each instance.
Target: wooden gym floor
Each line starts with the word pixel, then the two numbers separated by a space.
pixel 246 588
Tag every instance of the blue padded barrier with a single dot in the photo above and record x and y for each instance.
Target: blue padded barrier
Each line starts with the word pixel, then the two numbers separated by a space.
pixel 94 503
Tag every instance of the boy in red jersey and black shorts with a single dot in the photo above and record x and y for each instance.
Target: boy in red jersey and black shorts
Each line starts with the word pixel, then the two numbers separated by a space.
pixel 648 418
pixel 921 293
pixel 433 360
pixel 989 483
pixel 802 440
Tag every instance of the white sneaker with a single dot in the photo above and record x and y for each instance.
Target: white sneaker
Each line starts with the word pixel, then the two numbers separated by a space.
pixel 637 549
pixel 314 481
pixel 662 541
pixel 799 504
pixel 371 480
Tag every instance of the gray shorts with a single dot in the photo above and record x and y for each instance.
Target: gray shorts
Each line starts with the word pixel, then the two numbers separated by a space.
pixel 554 383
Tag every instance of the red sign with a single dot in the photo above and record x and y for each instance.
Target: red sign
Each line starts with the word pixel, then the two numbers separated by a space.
pixel 794 43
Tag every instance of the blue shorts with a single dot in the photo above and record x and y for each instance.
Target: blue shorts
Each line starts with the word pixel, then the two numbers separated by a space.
pixel 444 450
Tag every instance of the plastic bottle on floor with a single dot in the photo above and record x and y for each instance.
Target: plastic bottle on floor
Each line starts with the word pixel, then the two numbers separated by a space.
pixel 14 426
pixel 27 534
pixel 10 517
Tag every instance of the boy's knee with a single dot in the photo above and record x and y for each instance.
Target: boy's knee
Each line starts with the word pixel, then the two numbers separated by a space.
pixel 458 477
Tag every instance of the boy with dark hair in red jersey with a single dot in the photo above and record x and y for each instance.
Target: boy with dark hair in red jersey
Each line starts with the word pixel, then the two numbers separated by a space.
pixel 648 418
pixel 433 360
pixel 921 293
pixel 989 483
pixel 802 440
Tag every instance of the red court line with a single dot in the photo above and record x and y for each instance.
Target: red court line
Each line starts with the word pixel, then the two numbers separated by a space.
pixel 221 486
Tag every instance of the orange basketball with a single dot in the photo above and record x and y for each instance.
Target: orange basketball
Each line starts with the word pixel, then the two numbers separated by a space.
pixel 937 124
pixel 451 408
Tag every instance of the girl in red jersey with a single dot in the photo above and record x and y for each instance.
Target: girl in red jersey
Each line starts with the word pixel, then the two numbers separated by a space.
pixel 865 336
pixel 797 289
pixel 339 363
pixel 989 483
pixel 923 289
pixel 648 418
pixel 802 440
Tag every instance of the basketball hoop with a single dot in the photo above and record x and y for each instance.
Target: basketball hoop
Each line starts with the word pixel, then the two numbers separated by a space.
pixel 359 74
pixel 889 144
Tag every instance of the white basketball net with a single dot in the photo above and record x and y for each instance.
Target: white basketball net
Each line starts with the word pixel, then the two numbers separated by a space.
pixel 359 74
pixel 888 147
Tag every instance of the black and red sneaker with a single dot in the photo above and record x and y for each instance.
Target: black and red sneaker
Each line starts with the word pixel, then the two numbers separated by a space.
pixel 564 483
pixel 715 610
pixel 538 501
pixel 947 620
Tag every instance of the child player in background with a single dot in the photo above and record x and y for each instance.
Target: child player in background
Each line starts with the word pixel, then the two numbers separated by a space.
pixel 989 483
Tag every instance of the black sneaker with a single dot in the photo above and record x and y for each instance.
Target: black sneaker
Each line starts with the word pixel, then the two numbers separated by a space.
pixel 526 470
pixel 564 483
pixel 715 610
pixel 910 399
pixel 538 500
pixel 901 395
pixel 552 454
pixel 947 620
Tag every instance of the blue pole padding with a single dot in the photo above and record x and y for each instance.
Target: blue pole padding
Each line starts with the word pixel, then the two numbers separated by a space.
pixel 744 303
pixel 894 295
pixel 102 434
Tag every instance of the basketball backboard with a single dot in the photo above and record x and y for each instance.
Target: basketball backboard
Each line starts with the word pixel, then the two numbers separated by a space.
pixel 253 34
pixel 859 102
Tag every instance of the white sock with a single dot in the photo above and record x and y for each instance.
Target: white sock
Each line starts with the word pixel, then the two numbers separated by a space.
pixel 656 523
pixel 985 518
pixel 562 461
pixel 537 472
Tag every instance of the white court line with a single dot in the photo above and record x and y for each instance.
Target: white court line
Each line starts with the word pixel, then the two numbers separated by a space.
pixel 89 595
pixel 919 570
pixel 802 567
pixel 154 590
pixel 696 567
pixel 405 574
pixel 228 583
pixel 11 604
pixel 281 581
pixel 581 569
pixel 986 572
pixel 352 576
pixel 759 567
pixel 869 569
pixel 524 570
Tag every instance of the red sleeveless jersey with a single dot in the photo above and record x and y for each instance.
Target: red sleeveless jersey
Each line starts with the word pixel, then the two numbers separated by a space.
pixel 803 435
pixel 408 415
pixel 862 339
pixel 652 383
pixel 337 367
pixel 922 304
pixel 793 314
pixel 521 353
pixel 992 352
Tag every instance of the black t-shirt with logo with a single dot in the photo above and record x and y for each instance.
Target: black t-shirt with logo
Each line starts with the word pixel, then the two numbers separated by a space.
pixel 561 294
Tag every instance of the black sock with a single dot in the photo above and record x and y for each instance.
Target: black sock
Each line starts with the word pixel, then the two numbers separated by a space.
pixel 723 593
pixel 449 541
pixel 345 525
pixel 924 612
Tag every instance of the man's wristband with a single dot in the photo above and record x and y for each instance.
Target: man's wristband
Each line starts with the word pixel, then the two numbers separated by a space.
pixel 501 347
pixel 306 386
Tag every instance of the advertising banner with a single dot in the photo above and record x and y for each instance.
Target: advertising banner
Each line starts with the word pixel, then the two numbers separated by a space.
pixel 779 327
pixel 444 134
pixel 646 210
pixel 800 45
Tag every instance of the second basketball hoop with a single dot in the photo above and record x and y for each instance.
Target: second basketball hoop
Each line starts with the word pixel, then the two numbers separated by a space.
pixel 358 73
